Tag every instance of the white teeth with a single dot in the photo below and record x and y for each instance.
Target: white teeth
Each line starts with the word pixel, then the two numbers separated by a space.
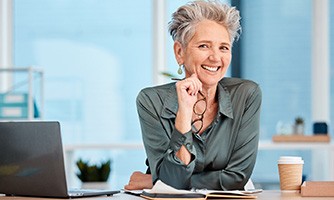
pixel 212 69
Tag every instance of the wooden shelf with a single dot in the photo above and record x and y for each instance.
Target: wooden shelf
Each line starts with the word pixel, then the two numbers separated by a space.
pixel 301 138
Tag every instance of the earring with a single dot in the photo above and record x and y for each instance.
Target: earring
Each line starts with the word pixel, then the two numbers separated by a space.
pixel 179 71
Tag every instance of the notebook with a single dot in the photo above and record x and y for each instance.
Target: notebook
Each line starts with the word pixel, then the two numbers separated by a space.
pixel 32 161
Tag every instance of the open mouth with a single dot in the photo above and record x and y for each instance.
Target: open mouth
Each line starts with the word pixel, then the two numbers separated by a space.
pixel 211 69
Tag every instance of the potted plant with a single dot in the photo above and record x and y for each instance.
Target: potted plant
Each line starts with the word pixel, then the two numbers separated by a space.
pixel 94 175
pixel 299 126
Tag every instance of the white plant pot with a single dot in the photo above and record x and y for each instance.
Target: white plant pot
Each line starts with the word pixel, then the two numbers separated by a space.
pixel 299 129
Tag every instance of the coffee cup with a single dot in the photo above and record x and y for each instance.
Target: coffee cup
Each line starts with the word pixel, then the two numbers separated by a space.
pixel 290 170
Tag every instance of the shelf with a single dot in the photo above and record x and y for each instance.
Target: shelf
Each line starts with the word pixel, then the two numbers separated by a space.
pixel 21 93
pixel 301 138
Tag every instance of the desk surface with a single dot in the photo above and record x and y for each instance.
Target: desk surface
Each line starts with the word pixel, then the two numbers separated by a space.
pixel 265 195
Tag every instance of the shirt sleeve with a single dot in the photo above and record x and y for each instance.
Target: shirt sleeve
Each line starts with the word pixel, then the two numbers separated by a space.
pixel 161 146
pixel 243 157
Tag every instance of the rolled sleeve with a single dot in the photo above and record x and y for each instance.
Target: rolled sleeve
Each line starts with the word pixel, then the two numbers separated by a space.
pixel 178 139
pixel 172 170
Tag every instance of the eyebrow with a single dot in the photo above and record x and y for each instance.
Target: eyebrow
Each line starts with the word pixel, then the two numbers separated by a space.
pixel 208 41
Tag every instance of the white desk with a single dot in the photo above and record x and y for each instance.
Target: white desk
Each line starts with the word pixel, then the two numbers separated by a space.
pixel 265 195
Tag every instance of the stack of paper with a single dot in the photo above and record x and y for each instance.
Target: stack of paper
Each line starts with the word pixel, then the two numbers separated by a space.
pixel 163 191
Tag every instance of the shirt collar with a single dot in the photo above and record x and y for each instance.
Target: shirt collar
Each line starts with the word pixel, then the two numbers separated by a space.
pixel 224 100
pixel 170 105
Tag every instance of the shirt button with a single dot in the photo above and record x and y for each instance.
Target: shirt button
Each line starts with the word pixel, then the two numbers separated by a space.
pixel 188 145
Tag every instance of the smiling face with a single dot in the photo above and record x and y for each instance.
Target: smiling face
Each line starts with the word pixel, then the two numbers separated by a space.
pixel 208 53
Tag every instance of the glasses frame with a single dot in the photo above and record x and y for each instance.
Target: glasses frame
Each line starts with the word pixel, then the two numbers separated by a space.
pixel 200 115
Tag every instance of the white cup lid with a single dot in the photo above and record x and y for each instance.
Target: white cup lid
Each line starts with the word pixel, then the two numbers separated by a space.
pixel 290 160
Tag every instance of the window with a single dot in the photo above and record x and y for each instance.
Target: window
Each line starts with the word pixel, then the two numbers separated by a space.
pixel 277 54
pixel 91 53
pixel 331 63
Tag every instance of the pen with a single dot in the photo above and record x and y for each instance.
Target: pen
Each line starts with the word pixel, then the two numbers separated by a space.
pixel 177 79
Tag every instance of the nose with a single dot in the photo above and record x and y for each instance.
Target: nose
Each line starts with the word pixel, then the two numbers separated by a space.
pixel 215 55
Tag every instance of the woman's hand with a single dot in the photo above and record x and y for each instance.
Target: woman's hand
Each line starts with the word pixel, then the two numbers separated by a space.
pixel 187 91
pixel 139 181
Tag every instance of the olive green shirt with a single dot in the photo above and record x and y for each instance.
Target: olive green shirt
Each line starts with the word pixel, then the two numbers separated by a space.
pixel 223 156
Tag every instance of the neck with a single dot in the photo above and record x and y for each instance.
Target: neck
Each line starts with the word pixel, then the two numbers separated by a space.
pixel 210 94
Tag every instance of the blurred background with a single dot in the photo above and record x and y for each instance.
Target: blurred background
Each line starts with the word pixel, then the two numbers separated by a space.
pixel 94 56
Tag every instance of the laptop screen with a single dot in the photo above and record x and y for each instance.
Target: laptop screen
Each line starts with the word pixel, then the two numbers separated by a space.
pixel 31 159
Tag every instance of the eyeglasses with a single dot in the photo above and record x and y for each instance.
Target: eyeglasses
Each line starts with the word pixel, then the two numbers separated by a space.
pixel 199 109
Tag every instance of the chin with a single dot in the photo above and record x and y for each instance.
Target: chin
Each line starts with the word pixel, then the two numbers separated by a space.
pixel 210 81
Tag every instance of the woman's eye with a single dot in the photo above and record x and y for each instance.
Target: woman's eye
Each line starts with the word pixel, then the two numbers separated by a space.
pixel 203 46
pixel 224 48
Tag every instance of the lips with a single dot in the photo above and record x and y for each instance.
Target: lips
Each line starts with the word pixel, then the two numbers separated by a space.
pixel 211 69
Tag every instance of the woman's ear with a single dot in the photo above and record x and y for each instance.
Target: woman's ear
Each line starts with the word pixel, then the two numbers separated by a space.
pixel 178 52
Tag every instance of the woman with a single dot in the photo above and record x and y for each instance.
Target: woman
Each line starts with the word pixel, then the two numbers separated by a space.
pixel 203 130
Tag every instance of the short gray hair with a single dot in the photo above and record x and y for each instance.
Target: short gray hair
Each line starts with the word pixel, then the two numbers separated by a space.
pixel 184 20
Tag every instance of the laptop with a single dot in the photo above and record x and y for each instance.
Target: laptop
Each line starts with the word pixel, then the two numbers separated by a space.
pixel 32 162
